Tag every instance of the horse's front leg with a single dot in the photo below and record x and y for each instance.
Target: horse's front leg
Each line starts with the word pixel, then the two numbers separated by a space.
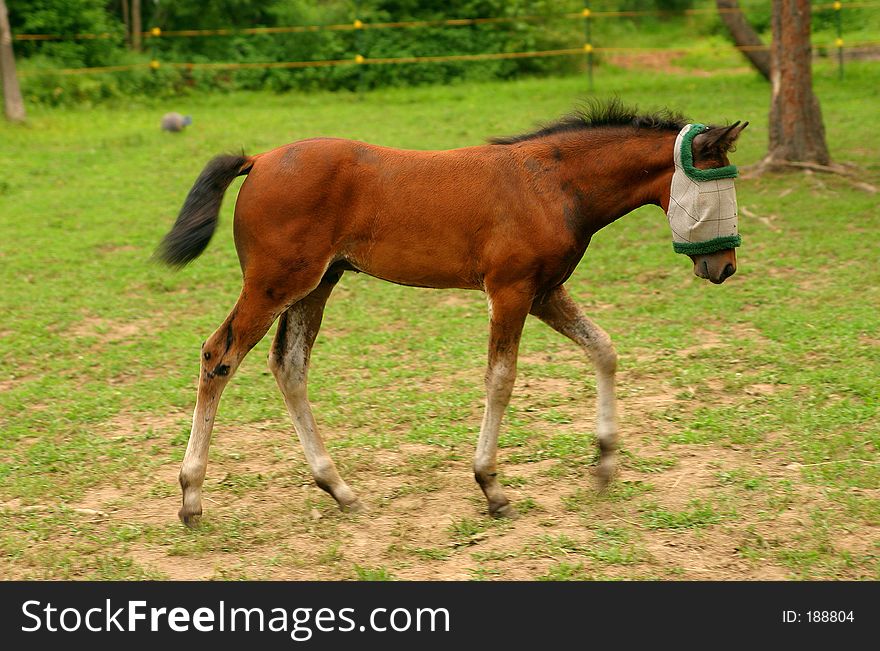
pixel 508 308
pixel 562 314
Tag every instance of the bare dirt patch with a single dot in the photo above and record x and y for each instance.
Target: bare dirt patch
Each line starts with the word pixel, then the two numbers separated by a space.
pixel 664 62
pixel 419 518
pixel 129 424
pixel 12 382
pixel 108 331
pixel 102 498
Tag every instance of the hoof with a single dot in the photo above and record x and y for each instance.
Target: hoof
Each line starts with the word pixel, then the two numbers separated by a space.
pixel 190 518
pixel 353 507
pixel 504 511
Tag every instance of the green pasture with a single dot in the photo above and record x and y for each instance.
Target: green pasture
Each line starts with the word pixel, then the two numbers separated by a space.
pixel 749 411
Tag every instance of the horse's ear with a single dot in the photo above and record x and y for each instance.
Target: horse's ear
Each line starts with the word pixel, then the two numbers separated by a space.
pixel 718 140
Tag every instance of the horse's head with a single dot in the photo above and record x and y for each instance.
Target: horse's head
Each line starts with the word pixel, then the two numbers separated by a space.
pixel 702 199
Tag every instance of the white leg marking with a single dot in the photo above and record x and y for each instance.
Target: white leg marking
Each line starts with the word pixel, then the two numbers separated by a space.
pixel 563 315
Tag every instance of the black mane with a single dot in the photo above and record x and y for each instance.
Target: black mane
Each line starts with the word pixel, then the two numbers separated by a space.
pixel 596 113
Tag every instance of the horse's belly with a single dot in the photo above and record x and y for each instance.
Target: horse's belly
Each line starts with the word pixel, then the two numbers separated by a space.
pixel 423 264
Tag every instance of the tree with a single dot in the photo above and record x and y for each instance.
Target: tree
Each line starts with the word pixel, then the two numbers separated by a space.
pixel 797 133
pixel 12 102
pixel 744 36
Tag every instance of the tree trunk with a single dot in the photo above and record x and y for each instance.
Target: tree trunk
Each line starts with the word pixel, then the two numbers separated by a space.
pixel 136 26
pixel 796 129
pixel 744 36
pixel 126 19
pixel 12 102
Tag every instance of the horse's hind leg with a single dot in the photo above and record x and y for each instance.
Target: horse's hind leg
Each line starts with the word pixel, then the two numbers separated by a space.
pixel 508 309
pixel 289 361
pixel 561 313
pixel 221 354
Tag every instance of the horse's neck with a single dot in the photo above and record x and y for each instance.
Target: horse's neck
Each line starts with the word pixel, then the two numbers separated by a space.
pixel 614 171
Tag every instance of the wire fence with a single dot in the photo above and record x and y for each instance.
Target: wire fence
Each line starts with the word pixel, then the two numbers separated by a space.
pixel 587 48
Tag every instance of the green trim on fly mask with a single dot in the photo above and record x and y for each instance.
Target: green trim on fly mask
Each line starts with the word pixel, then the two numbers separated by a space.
pixel 710 246
pixel 687 159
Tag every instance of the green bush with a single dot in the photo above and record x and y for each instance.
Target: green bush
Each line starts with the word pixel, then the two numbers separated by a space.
pixel 68 17
pixel 77 16
pixel 38 58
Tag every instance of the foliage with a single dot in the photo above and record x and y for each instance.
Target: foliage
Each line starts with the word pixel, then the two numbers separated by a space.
pixel 89 16
pixel 98 16
pixel 67 17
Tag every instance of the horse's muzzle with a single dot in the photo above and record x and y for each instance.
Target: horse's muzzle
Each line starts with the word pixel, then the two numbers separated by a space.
pixel 715 267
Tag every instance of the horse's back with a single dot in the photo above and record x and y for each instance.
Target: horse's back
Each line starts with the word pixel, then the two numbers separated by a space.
pixel 388 210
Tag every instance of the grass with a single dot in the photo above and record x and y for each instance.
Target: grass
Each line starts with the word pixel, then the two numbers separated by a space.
pixel 749 410
pixel 372 574
pixel 697 514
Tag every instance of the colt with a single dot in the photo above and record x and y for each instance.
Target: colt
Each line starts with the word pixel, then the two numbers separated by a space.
pixel 511 218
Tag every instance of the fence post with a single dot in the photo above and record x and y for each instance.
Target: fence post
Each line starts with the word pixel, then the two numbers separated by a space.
pixel 588 45
pixel 155 33
pixel 359 46
pixel 136 26
pixel 839 42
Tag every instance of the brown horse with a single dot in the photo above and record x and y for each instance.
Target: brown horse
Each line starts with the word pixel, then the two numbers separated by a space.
pixel 511 218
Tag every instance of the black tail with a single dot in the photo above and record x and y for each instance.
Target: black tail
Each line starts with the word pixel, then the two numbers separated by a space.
pixel 197 220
